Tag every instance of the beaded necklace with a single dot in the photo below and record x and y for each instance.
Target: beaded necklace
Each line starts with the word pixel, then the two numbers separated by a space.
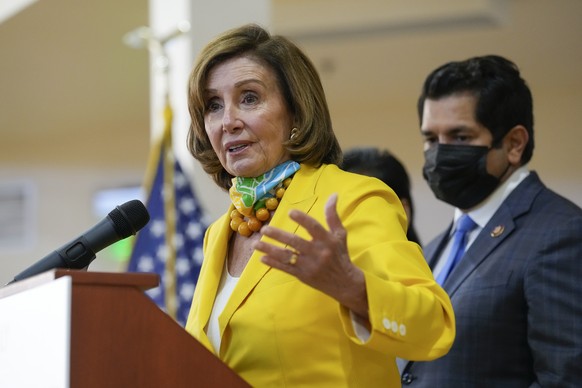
pixel 260 214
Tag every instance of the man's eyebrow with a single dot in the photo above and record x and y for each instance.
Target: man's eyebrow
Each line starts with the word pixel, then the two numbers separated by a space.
pixel 450 131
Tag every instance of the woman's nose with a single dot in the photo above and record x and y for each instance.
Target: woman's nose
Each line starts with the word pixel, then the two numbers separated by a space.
pixel 230 119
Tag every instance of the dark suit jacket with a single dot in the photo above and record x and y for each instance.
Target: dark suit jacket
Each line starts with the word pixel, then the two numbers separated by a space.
pixel 517 296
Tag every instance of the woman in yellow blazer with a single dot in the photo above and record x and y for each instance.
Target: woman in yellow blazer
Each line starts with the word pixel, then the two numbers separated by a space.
pixel 308 279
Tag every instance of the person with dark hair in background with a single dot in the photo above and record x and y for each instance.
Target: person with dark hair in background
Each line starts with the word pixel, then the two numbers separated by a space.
pixel 383 165
pixel 516 288
pixel 308 278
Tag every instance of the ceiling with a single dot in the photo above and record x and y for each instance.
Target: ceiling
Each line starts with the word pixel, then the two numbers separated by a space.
pixel 65 72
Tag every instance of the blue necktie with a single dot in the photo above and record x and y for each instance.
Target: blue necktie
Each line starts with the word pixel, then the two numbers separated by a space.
pixel 464 226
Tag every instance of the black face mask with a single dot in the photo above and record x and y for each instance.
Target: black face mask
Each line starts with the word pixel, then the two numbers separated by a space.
pixel 457 174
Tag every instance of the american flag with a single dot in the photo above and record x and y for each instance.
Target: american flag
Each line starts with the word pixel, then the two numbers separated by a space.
pixel 171 243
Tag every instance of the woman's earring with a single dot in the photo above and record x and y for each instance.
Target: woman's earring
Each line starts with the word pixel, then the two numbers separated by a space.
pixel 294 134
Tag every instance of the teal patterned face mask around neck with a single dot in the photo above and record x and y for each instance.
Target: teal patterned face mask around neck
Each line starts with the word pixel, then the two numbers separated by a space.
pixel 245 193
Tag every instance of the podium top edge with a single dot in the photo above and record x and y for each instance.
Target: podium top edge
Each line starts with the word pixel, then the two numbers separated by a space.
pixel 143 281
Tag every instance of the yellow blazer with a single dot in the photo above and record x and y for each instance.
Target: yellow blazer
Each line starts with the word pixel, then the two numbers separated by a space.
pixel 276 331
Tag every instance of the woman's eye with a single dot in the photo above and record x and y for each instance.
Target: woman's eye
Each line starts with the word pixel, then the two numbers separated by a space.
pixel 212 106
pixel 249 98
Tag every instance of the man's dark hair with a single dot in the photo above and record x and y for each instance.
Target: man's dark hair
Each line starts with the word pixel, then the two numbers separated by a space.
pixel 504 99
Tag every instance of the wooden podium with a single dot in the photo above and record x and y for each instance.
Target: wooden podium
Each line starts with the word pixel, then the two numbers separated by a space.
pixel 68 328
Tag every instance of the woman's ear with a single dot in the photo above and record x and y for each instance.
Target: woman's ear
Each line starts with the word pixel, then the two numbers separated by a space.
pixel 515 142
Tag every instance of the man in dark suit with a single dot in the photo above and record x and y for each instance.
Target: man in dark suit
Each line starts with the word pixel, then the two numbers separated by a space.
pixel 516 290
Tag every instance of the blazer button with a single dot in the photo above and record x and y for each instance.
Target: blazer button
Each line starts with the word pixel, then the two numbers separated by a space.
pixel 407 378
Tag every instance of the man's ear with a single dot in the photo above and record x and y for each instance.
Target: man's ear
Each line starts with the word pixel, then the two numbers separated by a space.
pixel 407 209
pixel 515 142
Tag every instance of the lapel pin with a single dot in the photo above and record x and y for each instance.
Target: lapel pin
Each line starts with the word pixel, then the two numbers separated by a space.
pixel 496 232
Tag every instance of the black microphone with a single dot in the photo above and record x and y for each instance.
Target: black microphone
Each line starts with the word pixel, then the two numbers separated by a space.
pixel 123 221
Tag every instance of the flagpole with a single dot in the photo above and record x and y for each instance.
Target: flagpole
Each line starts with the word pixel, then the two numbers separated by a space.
pixel 143 37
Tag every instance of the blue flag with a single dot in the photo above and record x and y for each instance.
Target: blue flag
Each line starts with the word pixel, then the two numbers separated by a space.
pixel 171 243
